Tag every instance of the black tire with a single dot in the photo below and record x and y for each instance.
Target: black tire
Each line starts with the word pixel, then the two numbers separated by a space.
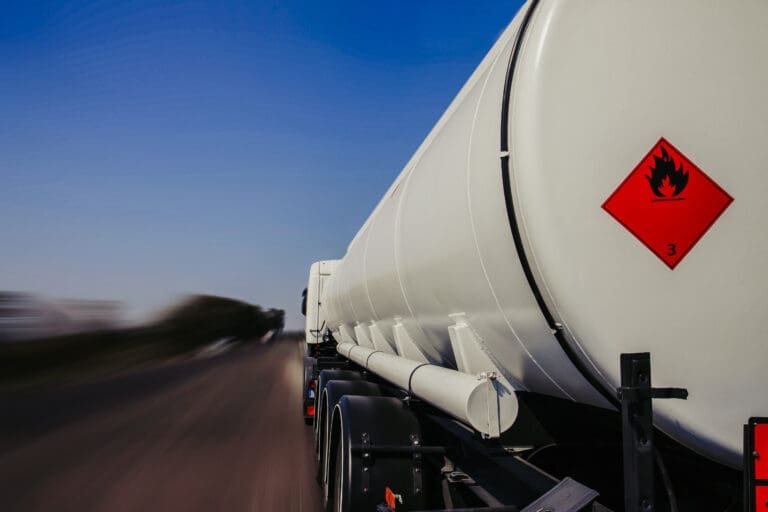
pixel 332 393
pixel 321 440
pixel 323 378
pixel 338 480
pixel 327 488
pixel 355 481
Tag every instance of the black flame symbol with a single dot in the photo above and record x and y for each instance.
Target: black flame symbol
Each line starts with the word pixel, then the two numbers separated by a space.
pixel 664 176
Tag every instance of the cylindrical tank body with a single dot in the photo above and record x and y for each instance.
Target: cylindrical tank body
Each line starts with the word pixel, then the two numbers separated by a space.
pixel 499 215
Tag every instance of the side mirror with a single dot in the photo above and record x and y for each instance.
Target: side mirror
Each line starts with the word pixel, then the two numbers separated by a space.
pixel 304 302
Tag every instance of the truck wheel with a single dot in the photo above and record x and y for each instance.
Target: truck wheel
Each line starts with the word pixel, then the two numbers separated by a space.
pixel 332 393
pixel 375 444
pixel 322 380
pixel 338 479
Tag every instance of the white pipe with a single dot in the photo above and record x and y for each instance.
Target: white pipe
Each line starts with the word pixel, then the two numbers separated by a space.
pixel 482 402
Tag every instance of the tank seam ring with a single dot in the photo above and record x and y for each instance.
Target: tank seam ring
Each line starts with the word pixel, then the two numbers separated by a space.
pixel 601 387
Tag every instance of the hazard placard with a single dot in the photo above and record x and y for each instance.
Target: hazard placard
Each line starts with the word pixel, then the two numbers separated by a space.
pixel 667 202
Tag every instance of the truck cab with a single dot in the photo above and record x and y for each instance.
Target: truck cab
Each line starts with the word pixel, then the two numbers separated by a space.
pixel 314 330
pixel 312 306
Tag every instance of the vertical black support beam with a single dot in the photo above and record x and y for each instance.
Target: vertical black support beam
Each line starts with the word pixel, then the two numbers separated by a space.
pixel 637 432
pixel 749 470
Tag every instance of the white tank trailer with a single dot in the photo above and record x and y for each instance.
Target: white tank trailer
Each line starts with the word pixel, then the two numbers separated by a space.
pixel 597 187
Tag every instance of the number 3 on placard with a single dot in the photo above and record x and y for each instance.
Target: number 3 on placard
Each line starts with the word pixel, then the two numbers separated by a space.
pixel 671 249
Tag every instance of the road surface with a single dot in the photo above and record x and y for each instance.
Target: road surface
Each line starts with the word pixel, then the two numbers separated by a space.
pixel 223 433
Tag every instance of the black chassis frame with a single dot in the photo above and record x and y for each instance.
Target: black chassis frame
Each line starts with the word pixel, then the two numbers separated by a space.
pixel 524 482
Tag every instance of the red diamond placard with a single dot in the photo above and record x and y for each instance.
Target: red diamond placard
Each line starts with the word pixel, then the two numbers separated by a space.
pixel 667 202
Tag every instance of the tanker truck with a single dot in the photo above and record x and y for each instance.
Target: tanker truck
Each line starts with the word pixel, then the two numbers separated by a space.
pixel 587 214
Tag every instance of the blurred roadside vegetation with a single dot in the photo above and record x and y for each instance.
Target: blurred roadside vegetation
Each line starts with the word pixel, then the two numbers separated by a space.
pixel 183 330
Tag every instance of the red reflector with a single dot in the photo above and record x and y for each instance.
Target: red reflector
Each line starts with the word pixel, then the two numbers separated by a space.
pixel 761 447
pixel 756 464
pixel 312 384
pixel 310 410
pixel 391 498
pixel 761 498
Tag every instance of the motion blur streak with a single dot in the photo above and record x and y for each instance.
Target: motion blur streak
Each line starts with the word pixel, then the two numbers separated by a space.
pixel 221 433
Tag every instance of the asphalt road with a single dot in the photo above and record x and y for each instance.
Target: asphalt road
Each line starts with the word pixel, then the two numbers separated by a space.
pixel 223 433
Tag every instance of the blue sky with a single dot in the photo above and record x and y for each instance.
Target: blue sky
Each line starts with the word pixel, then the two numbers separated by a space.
pixel 150 149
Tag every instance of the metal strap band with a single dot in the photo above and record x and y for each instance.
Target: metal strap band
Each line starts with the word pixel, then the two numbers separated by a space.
pixel 411 377
pixel 369 356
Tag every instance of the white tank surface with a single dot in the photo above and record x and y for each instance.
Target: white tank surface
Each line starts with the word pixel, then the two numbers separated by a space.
pixel 500 230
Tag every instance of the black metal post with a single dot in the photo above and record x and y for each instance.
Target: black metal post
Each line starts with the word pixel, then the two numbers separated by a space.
pixel 637 432
pixel 636 395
